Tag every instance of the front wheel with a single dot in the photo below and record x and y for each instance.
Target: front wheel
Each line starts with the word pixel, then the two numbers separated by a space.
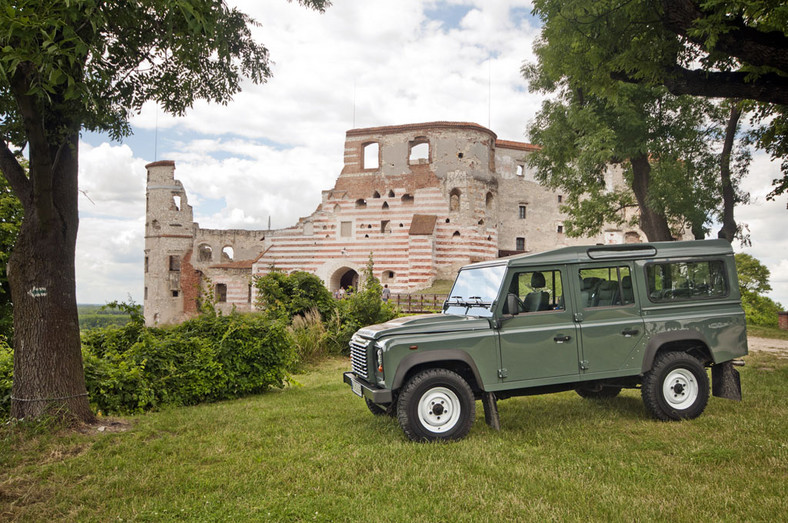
pixel 436 405
pixel 676 387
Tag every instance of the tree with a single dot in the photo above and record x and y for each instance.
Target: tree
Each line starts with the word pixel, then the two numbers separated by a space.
pixel 663 142
pixel 735 49
pixel 753 285
pixel 90 64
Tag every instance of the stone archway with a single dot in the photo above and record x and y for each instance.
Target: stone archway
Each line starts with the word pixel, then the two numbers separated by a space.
pixel 344 278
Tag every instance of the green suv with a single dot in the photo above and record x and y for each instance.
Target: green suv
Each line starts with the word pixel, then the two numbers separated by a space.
pixel 593 319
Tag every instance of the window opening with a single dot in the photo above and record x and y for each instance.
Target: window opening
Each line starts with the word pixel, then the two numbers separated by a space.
pixel 204 253
pixel 221 292
pixel 520 170
pixel 519 244
pixel 361 203
pixel 419 151
pixel 454 200
pixel 227 253
pixel 385 226
pixel 176 203
pixel 407 199
pixel 371 152
pixel 175 263
pixel 521 212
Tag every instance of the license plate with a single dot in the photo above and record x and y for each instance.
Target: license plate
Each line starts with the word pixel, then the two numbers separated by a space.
pixel 356 387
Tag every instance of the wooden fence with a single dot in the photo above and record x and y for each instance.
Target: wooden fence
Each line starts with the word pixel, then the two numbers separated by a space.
pixel 412 303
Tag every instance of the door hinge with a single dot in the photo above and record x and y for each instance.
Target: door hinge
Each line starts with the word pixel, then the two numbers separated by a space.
pixel 583 364
pixel 578 317
pixel 503 373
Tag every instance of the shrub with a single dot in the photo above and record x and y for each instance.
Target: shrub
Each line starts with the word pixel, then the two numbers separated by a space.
pixel 6 377
pixel 289 295
pixel 309 337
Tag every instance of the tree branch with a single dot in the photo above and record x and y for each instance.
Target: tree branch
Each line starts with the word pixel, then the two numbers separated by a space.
pixel 15 175
pixel 768 88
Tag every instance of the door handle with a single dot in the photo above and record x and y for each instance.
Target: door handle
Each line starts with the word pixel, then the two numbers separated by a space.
pixel 629 332
pixel 560 339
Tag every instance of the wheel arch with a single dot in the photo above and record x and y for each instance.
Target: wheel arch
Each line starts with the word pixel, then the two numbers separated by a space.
pixel 453 359
pixel 685 340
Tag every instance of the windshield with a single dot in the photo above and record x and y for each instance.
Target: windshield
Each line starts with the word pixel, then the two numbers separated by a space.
pixel 474 291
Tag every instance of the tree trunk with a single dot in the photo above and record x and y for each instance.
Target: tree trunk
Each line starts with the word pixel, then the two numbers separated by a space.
pixel 652 222
pixel 48 373
pixel 729 227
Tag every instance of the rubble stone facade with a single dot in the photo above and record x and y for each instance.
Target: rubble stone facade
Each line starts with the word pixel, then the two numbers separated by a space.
pixel 423 199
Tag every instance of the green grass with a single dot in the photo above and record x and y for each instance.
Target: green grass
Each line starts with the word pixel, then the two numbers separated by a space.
pixel 314 453
pixel 767 332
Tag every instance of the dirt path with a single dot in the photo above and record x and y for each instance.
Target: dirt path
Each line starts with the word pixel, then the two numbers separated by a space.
pixel 768 345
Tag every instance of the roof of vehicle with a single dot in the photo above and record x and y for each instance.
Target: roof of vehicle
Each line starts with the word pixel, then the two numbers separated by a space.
pixel 626 251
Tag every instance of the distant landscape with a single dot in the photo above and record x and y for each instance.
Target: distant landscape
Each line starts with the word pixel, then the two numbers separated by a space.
pixel 92 316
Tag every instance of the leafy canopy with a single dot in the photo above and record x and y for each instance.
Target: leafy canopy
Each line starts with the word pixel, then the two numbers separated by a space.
pixel 96 62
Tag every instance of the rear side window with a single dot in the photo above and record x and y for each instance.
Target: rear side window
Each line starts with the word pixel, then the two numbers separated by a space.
pixel 606 287
pixel 686 281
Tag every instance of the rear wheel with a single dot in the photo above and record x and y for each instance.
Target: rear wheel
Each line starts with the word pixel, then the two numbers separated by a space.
pixel 435 405
pixel 676 387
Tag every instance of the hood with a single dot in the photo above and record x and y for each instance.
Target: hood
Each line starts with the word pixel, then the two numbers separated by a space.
pixel 425 323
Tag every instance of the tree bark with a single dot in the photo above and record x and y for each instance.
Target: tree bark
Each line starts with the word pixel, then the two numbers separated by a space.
pixel 729 227
pixel 49 378
pixel 653 223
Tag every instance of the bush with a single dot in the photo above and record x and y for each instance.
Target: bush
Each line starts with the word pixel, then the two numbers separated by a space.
pixel 289 295
pixel 134 368
pixel 6 377
pixel 309 338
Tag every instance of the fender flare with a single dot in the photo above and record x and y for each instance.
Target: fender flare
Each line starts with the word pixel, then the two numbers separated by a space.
pixel 662 338
pixel 441 355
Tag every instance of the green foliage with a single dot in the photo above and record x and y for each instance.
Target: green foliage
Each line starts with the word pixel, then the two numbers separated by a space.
pixel 310 338
pixel 133 368
pixel 288 295
pixel 6 377
pixel 11 214
pixel 753 284
pixel 732 49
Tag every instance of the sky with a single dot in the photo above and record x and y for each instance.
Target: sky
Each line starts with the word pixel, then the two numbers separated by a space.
pixel 270 152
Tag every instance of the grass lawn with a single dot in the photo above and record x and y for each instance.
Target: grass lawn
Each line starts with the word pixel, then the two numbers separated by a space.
pixel 314 453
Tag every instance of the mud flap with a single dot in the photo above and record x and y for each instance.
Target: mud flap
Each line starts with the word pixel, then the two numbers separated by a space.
pixel 725 381
pixel 490 403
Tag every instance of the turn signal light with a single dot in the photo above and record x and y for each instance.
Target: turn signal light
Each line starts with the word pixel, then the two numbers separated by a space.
pixel 413 347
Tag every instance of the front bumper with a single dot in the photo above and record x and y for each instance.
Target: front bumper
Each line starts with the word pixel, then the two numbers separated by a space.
pixel 371 392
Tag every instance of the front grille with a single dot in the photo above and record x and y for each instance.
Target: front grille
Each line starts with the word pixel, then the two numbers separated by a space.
pixel 358 357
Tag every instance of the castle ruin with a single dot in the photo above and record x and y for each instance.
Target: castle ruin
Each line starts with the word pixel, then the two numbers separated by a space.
pixel 424 199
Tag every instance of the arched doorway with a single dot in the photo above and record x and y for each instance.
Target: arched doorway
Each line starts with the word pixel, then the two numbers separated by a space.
pixel 343 277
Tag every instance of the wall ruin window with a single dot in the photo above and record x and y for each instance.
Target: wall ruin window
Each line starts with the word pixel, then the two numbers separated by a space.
pixel 454 200
pixel 361 203
pixel 391 194
pixel 175 263
pixel 249 293
pixel 519 244
pixel 385 226
pixel 227 253
pixel 407 199
pixel 521 211
pixel 376 194
pixel 146 264
pixel 489 201
pixel 560 198
pixel 456 235
pixel 385 205
pixel 520 170
pixel 221 292
pixel 419 151
pixel 387 276
pixel 176 202
pixel 204 253
pixel 371 155
pixel 174 294
pixel 560 228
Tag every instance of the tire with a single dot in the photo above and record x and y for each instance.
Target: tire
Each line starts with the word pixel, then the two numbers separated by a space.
pixel 436 405
pixel 676 387
pixel 380 410
pixel 598 392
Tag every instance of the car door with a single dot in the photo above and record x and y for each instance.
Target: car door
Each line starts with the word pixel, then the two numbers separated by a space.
pixel 611 326
pixel 538 341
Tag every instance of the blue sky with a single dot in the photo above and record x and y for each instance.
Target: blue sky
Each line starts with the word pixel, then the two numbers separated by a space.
pixel 273 150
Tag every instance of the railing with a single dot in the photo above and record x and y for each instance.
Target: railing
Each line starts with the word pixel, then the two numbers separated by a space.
pixel 412 303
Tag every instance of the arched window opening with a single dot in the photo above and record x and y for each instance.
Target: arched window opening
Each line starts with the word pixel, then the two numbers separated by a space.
pixel 456 235
pixel 385 205
pixel 454 200
pixel 391 194
pixel 337 208
pixel 407 199
pixel 221 292
pixel 204 253
pixel 361 203
pixel 227 253
pixel 419 151
pixel 387 276
pixel 489 201
pixel 176 202
pixel 371 155
pixel 376 194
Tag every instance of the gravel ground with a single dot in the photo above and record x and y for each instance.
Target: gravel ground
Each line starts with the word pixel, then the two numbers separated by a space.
pixel 768 345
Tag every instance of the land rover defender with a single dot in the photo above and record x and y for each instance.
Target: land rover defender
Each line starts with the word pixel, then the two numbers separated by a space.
pixel 595 319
